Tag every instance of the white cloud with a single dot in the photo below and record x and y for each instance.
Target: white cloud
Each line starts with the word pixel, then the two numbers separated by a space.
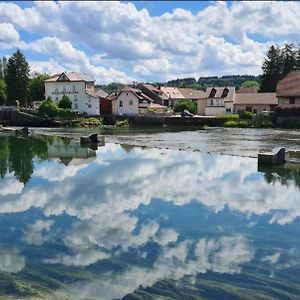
pixel 124 40
pixel 9 36
pixel 36 233
pixel 273 258
pixel 11 261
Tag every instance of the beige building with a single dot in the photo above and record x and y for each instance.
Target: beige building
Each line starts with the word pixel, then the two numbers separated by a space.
pixel 219 100
pixel 288 89
pixel 255 102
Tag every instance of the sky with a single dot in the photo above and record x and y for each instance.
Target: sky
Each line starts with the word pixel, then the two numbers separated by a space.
pixel 148 41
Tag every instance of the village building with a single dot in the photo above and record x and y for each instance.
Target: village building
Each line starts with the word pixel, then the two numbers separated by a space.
pixel 129 101
pixel 79 87
pixel 155 93
pixel 255 102
pixel 219 100
pixel 288 89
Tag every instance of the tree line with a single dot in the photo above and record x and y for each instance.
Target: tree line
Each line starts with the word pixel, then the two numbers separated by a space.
pixel 16 84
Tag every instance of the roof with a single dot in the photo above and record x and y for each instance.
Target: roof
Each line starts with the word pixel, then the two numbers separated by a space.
pixel 71 76
pixel 155 90
pixel 100 92
pixel 248 90
pixel 189 93
pixel 256 99
pixel 138 93
pixel 221 93
pixel 172 92
pixel 289 86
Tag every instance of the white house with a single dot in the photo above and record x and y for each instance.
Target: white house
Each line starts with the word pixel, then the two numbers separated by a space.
pixel 129 101
pixel 79 87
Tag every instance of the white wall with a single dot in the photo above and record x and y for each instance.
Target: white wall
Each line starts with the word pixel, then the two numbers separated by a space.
pixel 130 104
pixel 76 91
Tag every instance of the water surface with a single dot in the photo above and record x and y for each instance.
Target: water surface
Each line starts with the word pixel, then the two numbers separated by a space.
pixel 144 223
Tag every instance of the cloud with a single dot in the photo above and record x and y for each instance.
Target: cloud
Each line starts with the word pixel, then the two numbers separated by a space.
pixel 11 261
pixel 272 259
pixel 133 45
pixel 81 259
pixel 36 233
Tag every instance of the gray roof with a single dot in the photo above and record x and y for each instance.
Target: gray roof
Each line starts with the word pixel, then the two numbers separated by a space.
pixel 72 76
pixel 100 92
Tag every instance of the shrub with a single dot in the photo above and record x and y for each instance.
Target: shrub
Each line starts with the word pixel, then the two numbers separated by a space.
pixel 228 117
pixel 262 120
pixel 246 115
pixel 48 109
pixel 189 105
pixel 65 113
pixel 65 102
pixel 244 124
pixel 230 123
pixel 122 123
pixel 85 122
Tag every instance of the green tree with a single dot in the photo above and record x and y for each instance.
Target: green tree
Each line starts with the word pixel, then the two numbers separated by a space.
pixel 189 105
pixel 36 87
pixel 2 92
pixel 65 102
pixel 289 59
pixel 250 84
pixel 17 78
pixel 272 69
pixel 48 109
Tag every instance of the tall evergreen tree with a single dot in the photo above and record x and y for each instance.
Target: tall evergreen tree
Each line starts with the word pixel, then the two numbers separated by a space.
pixel 272 69
pixel 288 59
pixel 17 77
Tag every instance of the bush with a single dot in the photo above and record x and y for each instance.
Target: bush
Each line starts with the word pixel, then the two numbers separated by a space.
pixel 244 124
pixel 189 105
pixel 65 113
pixel 85 122
pixel 246 115
pixel 262 120
pixel 65 102
pixel 48 109
pixel 230 123
pixel 228 117
pixel 122 123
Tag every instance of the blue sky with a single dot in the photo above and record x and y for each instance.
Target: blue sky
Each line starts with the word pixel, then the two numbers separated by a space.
pixel 147 40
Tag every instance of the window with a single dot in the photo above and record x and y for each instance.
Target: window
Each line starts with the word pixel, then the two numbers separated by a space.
pixel 56 90
pixel 126 94
pixel 212 93
pixel 90 106
pixel 130 102
pixel 76 106
pixel 225 93
pixel 211 102
pixel 228 110
pixel 75 98
pixel 292 100
pixel 64 89
pixel 120 103
pixel 74 88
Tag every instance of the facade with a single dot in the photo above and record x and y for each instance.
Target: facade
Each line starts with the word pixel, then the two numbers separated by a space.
pixel 288 89
pixel 255 102
pixel 219 100
pixel 79 87
pixel 129 101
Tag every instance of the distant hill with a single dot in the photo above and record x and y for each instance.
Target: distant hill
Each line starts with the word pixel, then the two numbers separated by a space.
pixel 201 84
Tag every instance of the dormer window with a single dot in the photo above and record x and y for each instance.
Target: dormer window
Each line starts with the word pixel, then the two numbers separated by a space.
pixel 225 93
pixel 212 93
